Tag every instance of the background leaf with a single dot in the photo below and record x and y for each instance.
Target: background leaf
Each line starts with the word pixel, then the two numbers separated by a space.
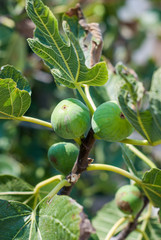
pixel 153 229
pixel 60 55
pixel 15 93
pixel 9 165
pixel 13 184
pixel 15 52
pixel 110 214
pixel 106 218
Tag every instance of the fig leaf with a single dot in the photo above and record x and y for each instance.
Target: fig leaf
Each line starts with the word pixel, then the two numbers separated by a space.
pixel 59 53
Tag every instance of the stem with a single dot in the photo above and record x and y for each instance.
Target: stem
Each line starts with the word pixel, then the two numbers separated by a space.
pixel 145 222
pixel 47 181
pixel 145 236
pixel 85 99
pixel 114 228
pixel 59 186
pixel 15 193
pixel 89 97
pixel 44 183
pixel 120 171
pixel 82 161
pixel 34 120
pixel 136 142
pixel 77 140
pixel 142 156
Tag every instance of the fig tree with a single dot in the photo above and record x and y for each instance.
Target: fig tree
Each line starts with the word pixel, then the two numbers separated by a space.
pixel 70 118
pixel 129 199
pixel 109 123
pixel 62 156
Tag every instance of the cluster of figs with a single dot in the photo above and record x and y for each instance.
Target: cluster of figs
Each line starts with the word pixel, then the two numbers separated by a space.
pixel 71 119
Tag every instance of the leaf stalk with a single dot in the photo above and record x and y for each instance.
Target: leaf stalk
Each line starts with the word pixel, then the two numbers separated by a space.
pixel 110 168
pixel 43 184
pixel 115 227
pixel 83 95
pixel 34 120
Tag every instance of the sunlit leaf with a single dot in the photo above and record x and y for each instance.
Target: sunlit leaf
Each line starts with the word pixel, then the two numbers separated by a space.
pixel 59 219
pixel 152 186
pixel 65 58
pixel 15 93
pixel 132 94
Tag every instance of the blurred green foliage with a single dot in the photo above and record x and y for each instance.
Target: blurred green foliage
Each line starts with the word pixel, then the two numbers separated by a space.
pixel 132 34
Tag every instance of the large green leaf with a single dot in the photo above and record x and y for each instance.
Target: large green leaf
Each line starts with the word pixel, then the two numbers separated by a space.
pixel 65 59
pixel 90 40
pixel 146 122
pixel 59 219
pixel 13 188
pixel 15 93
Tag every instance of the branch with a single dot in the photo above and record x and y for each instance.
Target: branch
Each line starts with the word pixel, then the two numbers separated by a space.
pixel 131 225
pixel 81 163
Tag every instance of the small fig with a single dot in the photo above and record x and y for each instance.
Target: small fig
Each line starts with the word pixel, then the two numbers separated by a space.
pixel 62 156
pixel 109 123
pixel 70 119
pixel 129 199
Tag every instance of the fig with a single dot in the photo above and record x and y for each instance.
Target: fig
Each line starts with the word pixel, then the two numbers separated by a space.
pixel 70 118
pixel 62 156
pixel 109 123
pixel 129 199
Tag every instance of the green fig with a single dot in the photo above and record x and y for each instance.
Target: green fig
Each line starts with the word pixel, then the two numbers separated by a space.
pixel 70 119
pixel 62 156
pixel 129 199
pixel 109 123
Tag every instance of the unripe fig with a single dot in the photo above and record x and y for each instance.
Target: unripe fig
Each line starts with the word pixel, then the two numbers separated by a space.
pixel 109 123
pixel 63 156
pixel 70 119
pixel 129 199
